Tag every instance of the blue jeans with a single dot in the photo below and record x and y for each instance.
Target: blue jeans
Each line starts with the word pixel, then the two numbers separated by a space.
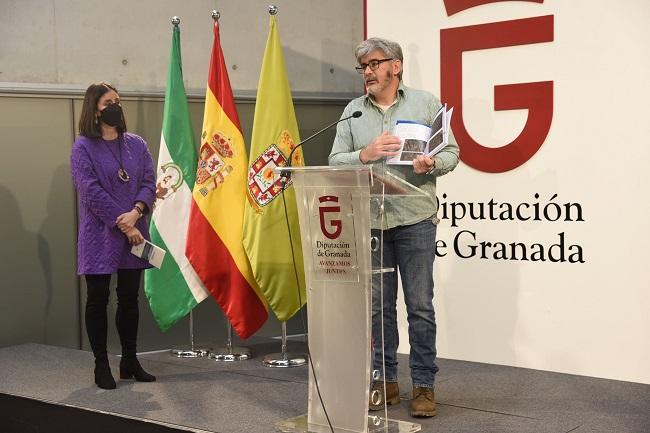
pixel 411 250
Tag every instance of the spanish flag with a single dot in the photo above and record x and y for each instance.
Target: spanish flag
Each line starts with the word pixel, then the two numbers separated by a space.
pixel 214 238
pixel 276 260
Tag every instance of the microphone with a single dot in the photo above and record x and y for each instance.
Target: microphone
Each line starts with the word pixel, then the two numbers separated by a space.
pixel 355 115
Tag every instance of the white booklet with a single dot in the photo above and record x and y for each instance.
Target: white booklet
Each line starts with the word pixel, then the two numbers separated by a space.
pixel 418 139
pixel 150 252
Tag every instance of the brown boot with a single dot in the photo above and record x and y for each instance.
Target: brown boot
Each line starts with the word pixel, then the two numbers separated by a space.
pixel 376 399
pixel 423 402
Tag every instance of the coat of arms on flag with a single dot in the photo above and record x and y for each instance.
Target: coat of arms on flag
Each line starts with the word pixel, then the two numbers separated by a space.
pixel 212 168
pixel 263 184
pixel 169 180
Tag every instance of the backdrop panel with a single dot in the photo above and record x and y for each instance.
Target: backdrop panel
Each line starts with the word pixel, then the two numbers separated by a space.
pixel 543 239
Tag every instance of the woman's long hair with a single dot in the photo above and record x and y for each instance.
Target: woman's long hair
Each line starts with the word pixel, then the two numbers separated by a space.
pixel 89 123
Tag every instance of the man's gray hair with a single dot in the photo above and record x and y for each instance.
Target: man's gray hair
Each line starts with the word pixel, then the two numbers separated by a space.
pixel 390 49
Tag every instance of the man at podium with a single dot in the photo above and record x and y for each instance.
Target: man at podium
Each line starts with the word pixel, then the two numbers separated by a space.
pixel 409 227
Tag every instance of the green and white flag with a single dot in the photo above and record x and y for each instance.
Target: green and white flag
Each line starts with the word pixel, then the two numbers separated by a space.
pixel 174 289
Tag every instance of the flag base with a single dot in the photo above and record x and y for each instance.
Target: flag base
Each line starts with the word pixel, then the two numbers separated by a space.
pixel 284 360
pixel 230 354
pixel 190 353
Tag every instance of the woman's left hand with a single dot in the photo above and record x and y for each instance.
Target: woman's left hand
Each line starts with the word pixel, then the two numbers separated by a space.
pixel 134 236
pixel 127 220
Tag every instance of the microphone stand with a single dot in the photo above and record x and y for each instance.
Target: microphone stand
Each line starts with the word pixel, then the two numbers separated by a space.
pixel 286 174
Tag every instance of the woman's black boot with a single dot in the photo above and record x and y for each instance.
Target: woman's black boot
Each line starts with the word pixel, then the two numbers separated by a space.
pixel 103 377
pixel 131 368
pixel 126 320
pixel 96 326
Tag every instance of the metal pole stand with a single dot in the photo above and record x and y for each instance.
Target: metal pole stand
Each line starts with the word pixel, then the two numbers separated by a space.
pixel 229 353
pixel 284 359
pixel 192 352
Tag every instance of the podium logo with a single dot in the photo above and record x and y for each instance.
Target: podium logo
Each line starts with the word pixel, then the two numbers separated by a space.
pixel 536 97
pixel 326 208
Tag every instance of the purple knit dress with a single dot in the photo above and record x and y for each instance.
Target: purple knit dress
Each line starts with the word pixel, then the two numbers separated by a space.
pixel 101 247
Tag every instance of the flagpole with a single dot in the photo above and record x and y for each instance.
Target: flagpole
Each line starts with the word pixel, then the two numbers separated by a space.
pixel 230 353
pixel 192 352
pixel 181 151
pixel 284 359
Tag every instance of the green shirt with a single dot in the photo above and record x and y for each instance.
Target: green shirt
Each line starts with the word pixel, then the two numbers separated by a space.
pixel 354 134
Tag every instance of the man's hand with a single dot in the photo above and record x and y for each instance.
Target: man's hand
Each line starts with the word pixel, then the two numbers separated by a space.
pixel 127 220
pixel 134 236
pixel 385 145
pixel 423 164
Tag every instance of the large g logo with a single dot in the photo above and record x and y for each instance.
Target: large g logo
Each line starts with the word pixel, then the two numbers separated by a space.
pixel 322 210
pixel 536 97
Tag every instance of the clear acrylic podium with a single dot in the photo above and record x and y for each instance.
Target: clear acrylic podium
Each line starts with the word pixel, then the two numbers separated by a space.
pixel 337 206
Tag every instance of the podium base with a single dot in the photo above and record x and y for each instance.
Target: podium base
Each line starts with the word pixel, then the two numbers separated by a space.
pixel 376 424
pixel 284 360
pixel 233 354
pixel 190 353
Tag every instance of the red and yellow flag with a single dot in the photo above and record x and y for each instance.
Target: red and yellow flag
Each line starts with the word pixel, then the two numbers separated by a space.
pixel 214 237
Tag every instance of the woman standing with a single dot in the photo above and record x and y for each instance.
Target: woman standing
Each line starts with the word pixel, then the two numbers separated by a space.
pixel 113 173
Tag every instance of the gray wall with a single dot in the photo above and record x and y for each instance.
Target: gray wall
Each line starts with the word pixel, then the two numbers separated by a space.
pixel 127 42
pixel 51 51
pixel 39 290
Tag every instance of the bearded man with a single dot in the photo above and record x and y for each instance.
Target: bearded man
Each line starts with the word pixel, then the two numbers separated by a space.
pixel 409 228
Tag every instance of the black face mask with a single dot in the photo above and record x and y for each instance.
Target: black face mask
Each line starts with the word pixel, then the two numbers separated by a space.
pixel 111 115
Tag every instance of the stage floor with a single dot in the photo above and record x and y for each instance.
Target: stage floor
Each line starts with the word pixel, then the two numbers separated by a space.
pixel 202 395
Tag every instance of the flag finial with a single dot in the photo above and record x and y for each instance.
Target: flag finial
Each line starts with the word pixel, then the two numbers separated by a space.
pixel 216 15
pixel 176 21
pixel 273 10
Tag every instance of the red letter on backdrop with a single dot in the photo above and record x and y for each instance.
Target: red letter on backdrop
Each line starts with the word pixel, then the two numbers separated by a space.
pixel 536 97
pixel 455 6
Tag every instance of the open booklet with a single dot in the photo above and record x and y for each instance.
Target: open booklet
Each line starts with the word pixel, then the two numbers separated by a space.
pixel 418 139
pixel 149 252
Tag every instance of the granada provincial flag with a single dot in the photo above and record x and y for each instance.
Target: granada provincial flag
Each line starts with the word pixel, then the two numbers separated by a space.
pixel 174 289
pixel 214 238
pixel 266 237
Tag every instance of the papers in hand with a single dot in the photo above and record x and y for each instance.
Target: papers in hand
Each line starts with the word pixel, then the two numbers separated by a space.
pixel 149 252
pixel 418 139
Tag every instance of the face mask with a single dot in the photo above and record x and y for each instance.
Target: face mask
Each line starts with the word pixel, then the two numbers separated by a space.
pixel 111 115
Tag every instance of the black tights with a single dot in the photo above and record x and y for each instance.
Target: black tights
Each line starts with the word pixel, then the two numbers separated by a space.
pixel 126 317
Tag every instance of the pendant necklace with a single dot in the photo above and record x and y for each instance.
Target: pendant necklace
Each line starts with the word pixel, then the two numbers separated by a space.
pixel 122 174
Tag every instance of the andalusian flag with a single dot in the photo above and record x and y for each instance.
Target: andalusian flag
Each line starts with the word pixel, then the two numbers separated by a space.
pixel 266 236
pixel 214 244
pixel 174 289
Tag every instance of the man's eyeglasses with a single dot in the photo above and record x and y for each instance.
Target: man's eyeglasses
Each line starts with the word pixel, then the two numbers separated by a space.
pixel 374 64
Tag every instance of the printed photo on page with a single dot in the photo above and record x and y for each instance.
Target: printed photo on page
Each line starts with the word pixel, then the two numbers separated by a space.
pixel 419 139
